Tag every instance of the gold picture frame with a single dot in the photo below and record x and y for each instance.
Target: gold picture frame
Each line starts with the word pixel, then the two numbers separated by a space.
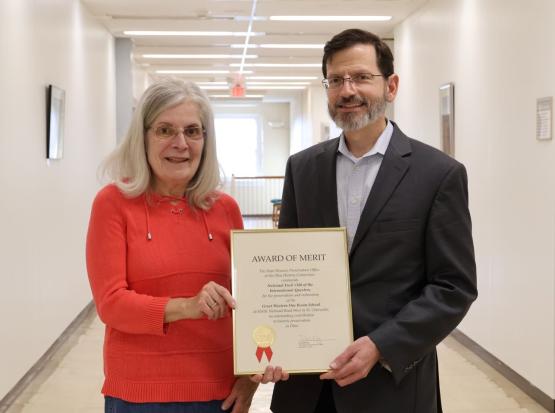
pixel 291 286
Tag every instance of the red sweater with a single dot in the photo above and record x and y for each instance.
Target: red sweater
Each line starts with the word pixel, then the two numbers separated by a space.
pixel 132 278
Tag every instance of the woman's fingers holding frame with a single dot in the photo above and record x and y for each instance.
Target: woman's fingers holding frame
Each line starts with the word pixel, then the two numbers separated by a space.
pixel 214 300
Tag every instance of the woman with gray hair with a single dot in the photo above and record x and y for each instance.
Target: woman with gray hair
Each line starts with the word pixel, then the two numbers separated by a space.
pixel 158 260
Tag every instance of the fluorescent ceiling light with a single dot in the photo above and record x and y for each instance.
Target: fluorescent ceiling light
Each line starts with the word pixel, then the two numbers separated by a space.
pixel 213 87
pixel 278 83
pixel 211 83
pixel 198 56
pixel 331 18
pixel 235 105
pixel 187 33
pixel 197 72
pixel 249 18
pixel 291 46
pixel 282 77
pixel 276 87
pixel 191 72
pixel 242 46
pixel 280 46
pixel 235 97
pixel 277 64
pixel 250 86
pixel 225 85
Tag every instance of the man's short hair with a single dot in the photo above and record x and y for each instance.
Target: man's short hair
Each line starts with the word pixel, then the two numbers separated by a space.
pixel 352 37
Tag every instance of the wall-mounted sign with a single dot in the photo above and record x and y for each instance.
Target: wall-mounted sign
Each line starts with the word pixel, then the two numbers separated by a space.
pixel 544 116
pixel 447 118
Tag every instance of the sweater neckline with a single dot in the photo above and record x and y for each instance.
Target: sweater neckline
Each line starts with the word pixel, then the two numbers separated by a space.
pixel 158 198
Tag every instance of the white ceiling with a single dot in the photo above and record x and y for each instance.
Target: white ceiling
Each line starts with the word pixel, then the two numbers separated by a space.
pixel 235 16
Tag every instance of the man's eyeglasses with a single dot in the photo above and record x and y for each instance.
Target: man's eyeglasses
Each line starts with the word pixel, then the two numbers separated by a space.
pixel 193 133
pixel 359 79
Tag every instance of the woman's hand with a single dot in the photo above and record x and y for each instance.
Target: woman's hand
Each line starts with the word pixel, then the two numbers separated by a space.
pixel 241 395
pixel 271 374
pixel 212 301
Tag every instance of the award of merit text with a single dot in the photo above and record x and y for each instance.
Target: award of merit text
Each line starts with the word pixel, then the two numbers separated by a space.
pixel 290 297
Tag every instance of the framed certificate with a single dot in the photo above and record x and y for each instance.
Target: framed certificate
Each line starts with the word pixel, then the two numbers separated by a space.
pixel 292 289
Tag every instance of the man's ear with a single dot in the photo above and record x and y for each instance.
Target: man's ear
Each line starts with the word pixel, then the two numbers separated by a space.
pixel 392 83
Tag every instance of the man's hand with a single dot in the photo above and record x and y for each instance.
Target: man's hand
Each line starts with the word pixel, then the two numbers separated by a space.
pixel 241 395
pixel 354 363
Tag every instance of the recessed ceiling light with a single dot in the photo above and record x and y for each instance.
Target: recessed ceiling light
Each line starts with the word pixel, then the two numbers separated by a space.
pixel 332 18
pixel 197 56
pixel 187 33
pixel 277 65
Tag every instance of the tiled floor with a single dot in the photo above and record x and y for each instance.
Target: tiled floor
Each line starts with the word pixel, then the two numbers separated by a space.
pixel 72 379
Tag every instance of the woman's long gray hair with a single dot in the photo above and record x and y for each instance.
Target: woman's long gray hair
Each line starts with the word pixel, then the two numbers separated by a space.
pixel 127 165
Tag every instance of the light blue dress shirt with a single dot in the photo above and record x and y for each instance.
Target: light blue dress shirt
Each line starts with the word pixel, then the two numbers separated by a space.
pixel 355 178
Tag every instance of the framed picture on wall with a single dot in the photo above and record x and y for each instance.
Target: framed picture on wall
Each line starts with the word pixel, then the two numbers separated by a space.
pixel 324 131
pixel 55 119
pixel 447 118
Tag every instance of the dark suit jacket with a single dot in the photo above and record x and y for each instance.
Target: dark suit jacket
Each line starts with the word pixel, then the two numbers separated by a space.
pixel 413 274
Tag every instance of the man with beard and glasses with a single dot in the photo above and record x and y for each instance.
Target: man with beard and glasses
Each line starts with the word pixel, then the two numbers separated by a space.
pixel 405 207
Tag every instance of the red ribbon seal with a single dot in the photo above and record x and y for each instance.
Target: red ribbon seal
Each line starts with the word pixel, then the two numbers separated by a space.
pixel 260 351
pixel 263 337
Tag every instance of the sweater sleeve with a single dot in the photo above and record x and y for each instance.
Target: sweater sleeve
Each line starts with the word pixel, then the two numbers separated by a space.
pixel 117 305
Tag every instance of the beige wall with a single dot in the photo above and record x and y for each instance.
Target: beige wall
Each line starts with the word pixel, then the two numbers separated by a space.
pixel 500 55
pixel 45 205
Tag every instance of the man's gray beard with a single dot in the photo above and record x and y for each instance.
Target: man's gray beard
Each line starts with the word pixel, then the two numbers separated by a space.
pixel 354 121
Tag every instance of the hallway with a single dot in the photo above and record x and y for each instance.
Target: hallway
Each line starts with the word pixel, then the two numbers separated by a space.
pixel 72 380
pixel 495 58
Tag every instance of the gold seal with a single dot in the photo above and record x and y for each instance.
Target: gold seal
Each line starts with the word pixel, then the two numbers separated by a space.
pixel 263 336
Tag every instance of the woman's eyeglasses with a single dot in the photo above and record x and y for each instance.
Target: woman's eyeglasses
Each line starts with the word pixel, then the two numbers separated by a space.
pixel 194 133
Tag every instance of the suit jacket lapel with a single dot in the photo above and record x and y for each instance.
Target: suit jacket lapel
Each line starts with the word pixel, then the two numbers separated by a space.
pixel 327 184
pixel 394 166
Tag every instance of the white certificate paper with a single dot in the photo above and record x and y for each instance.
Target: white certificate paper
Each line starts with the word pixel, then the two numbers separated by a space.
pixel 292 289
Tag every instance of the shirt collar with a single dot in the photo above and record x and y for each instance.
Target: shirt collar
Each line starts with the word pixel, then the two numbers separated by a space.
pixel 379 147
